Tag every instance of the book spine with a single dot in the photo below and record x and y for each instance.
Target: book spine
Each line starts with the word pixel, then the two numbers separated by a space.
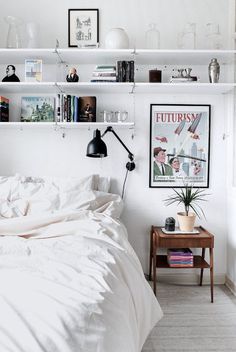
pixel 68 119
pixel 131 64
pixel 58 108
pixel 127 71
pixel 65 108
pixel 119 71
pixel 76 109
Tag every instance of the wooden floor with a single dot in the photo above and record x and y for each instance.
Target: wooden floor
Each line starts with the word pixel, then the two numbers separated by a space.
pixel 191 322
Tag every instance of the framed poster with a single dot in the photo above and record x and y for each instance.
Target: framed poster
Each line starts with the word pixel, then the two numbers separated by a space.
pixel 83 28
pixel 179 145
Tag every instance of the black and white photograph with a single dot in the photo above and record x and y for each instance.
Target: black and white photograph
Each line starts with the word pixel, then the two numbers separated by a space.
pixel 83 28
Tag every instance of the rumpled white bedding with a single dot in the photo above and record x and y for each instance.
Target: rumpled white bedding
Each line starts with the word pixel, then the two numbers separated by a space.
pixel 71 282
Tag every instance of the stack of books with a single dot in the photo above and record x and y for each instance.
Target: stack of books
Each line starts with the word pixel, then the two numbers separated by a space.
pixel 125 71
pixel 180 257
pixel 104 73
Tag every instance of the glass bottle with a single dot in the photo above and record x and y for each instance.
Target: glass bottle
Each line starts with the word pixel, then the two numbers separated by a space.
pixel 214 39
pixel 152 37
pixel 188 37
pixel 13 35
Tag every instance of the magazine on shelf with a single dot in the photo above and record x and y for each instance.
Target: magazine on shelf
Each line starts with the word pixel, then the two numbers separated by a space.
pixel 33 70
pixel 37 109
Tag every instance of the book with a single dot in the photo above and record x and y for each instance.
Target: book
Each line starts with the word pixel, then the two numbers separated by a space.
pixel 33 70
pixel 87 109
pixel 4 109
pixel 37 109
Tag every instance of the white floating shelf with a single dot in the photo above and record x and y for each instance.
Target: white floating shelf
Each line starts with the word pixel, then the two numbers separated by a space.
pixel 95 56
pixel 183 57
pixel 179 88
pixel 18 56
pixel 96 87
pixel 66 125
pixel 91 88
pixel 28 87
pixel 107 56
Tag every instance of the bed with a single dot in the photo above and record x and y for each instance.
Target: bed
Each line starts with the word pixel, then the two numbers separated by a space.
pixel 69 279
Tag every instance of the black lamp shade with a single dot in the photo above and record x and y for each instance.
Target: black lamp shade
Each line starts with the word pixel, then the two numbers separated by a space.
pixel 96 147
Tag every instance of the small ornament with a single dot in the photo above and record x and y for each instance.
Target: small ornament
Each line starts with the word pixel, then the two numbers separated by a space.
pixel 170 224
pixel 72 76
pixel 11 76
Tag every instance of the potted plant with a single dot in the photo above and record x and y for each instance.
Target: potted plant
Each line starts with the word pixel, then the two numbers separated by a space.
pixel 189 197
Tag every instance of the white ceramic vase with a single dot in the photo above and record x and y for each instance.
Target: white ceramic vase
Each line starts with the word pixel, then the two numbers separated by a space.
pixel 117 38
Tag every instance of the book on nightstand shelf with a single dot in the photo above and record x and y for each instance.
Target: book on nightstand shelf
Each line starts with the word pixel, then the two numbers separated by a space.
pixel 180 257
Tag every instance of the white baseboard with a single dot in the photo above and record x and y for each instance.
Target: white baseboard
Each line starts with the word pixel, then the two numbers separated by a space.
pixel 230 284
pixel 190 278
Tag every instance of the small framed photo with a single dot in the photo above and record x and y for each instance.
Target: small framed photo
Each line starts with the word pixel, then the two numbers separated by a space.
pixel 33 70
pixel 83 28
pixel 87 109
pixel 179 145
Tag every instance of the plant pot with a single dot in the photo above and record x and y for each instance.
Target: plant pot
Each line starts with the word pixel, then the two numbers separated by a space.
pixel 186 223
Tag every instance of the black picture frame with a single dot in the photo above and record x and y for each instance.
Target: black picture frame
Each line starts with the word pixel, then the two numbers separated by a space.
pixel 83 28
pixel 180 141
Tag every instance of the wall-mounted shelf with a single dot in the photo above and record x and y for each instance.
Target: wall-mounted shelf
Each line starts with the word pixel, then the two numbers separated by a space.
pixel 66 125
pixel 182 88
pixel 114 88
pixel 107 56
pixel 183 57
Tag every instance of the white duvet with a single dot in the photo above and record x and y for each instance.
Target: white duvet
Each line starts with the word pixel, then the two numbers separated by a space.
pixel 71 282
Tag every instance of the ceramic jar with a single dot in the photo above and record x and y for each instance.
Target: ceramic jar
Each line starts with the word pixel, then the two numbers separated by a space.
pixel 117 38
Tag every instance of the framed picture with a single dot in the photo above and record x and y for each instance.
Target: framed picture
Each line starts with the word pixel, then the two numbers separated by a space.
pixel 83 28
pixel 87 109
pixel 179 145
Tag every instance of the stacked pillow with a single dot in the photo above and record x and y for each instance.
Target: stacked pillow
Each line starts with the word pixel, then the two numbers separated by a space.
pixel 21 195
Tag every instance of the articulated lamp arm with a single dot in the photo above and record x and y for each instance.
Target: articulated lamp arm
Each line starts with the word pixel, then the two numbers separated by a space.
pixel 130 166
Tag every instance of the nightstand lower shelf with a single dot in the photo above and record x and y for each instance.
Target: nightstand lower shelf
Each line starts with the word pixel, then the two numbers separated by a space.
pixel 198 262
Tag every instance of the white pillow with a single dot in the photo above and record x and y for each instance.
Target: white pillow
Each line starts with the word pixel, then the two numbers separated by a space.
pixel 45 194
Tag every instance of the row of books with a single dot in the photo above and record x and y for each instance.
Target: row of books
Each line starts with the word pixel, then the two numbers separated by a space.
pixel 180 257
pixel 70 108
pixel 4 109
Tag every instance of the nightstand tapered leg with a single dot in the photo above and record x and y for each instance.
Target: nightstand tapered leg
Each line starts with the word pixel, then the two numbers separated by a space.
pixel 211 273
pixel 201 275
pixel 150 256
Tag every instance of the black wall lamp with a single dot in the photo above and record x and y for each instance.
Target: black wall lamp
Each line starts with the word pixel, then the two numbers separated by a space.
pixel 98 149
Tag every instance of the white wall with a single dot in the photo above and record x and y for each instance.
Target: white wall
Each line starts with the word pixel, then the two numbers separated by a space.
pixel 42 151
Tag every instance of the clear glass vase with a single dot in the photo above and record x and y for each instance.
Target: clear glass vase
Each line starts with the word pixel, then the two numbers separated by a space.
pixel 152 37
pixel 13 35
pixel 213 36
pixel 187 38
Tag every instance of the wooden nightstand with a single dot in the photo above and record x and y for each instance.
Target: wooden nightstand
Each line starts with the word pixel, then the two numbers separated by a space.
pixel 160 240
